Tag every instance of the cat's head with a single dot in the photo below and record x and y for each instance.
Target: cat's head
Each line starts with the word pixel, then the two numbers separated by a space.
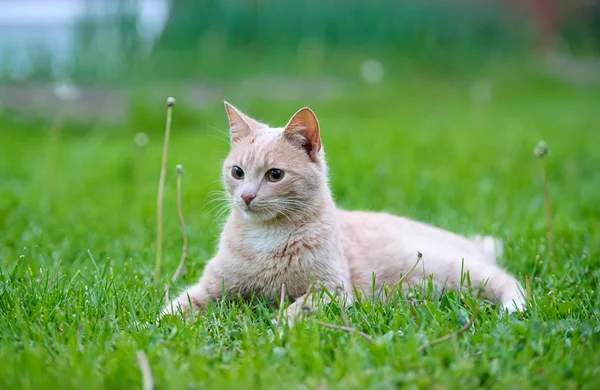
pixel 274 173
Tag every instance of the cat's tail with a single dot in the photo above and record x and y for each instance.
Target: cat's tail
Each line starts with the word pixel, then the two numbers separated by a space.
pixel 492 247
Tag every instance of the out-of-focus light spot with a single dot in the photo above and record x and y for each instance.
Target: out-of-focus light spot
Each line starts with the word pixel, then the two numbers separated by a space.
pixel 372 71
pixel 141 139
pixel 481 92
pixel 66 90
pixel 541 150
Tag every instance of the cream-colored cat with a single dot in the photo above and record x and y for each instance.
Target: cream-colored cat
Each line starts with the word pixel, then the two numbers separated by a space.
pixel 285 228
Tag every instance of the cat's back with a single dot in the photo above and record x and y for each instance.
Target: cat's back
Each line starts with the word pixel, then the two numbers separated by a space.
pixel 387 244
pixel 380 233
pixel 372 234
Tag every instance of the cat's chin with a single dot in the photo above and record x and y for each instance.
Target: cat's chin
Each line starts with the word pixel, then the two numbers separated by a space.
pixel 255 215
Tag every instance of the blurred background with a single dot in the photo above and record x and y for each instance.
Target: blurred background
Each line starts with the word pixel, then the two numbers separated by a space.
pixel 102 54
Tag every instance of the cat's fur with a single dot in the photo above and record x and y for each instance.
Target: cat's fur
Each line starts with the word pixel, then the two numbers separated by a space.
pixel 292 233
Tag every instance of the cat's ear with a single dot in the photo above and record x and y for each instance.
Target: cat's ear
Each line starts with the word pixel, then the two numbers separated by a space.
pixel 240 125
pixel 303 131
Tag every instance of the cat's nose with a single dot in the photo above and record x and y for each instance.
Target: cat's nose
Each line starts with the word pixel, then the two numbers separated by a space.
pixel 248 197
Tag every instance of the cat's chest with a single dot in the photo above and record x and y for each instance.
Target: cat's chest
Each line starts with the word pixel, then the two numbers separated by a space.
pixel 267 258
pixel 279 251
pixel 264 242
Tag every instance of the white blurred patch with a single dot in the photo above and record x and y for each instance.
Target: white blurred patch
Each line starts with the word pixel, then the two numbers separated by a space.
pixel 66 90
pixel 481 92
pixel 141 139
pixel 372 71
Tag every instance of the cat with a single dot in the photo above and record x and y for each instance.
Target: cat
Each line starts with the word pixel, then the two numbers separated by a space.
pixel 285 229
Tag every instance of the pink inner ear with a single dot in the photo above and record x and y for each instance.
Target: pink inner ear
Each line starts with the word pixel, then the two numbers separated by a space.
pixel 240 125
pixel 303 130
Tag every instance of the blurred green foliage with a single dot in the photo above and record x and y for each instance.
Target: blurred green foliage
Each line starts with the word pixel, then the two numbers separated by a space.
pixel 206 38
pixel 407 25
pixel 202 38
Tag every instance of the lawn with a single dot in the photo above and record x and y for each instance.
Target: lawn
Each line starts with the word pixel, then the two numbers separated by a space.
pixel 77 242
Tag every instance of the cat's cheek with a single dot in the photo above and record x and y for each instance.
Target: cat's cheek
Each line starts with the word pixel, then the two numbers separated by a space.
pixel 232 188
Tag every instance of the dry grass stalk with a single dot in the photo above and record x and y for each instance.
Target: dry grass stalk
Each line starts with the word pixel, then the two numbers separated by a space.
pixel 349 329
pixel 346 329
pixel 452 335
pixel 281 302
pixel 342 306
pixel 161 189
pixel 182 222
pixel 147 379
pixel 419 257
pixel 415 314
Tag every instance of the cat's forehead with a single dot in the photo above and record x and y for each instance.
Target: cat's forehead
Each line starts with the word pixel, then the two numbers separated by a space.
pixel 267 133
pixel 263 149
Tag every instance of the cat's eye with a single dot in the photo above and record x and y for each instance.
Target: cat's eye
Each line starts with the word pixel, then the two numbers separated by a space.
pixel 275 175
pixel 237 172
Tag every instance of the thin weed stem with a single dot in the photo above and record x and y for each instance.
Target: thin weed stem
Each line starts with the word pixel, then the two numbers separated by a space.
pixel 182 223
pixel 346 329
pixel 419 257
pixel 281 302
pixel 144 364
pixel 452 335
pixel 161 190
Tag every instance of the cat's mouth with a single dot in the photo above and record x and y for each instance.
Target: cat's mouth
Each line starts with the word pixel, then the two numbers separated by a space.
pixel 257 212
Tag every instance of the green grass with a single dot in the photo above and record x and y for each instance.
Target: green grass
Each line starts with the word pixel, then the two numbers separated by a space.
pixel 77 223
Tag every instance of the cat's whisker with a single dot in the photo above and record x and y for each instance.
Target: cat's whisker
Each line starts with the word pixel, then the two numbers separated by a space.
pixel 218 207
pixel 215 207
pixel 224 139
pixel 222 132
pixel 224 206
pixel 216 200
pixel 212 192
pixel 298 213
pixel 288 218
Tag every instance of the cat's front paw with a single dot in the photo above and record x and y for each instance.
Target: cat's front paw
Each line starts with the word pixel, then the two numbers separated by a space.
pixel 177 308
pixel 280 321
pixel 291 315
pixel 514 303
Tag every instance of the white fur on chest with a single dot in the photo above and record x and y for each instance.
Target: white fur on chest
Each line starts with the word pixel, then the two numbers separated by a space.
pixel 265 240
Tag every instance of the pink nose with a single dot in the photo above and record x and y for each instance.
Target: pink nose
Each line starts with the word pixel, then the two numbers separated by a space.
pixel 248 198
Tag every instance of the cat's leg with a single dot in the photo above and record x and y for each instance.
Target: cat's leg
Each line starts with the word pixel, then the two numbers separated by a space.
pixel 499 285
pixel 195 297
pixel 447 266
pixel 308 301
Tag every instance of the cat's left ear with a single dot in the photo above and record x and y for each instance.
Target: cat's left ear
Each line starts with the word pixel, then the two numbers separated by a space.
pixel 303 131
pixel 240 124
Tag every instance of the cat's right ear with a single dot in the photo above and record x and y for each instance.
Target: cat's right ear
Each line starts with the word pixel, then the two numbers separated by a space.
pixel 240 125
pixel 303 131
